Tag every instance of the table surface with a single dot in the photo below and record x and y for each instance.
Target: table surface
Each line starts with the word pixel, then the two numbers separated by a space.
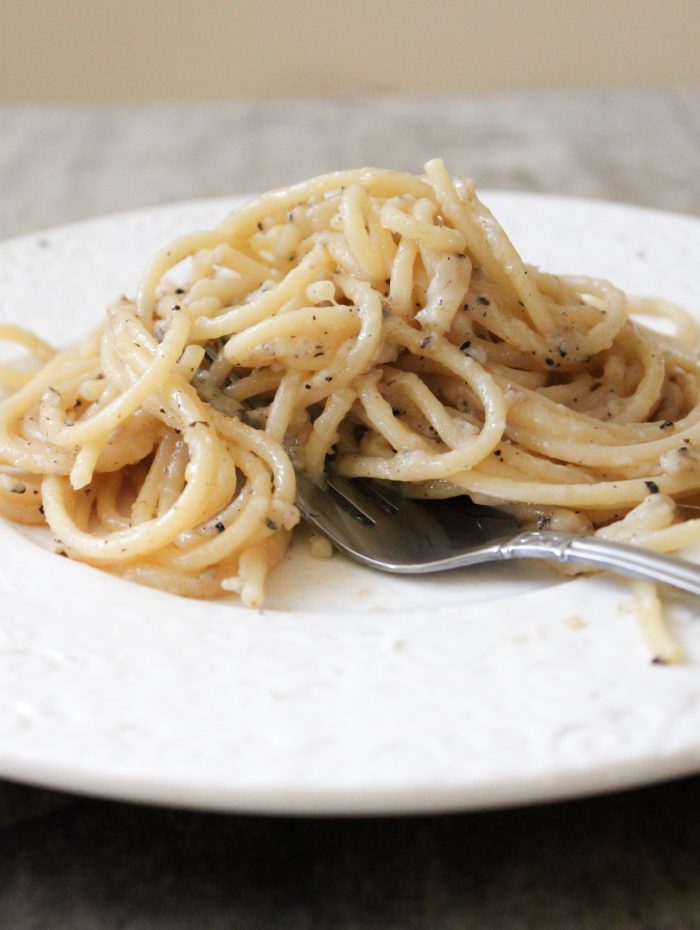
pixel 629 861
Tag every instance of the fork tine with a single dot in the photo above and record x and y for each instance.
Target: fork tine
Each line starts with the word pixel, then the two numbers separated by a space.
pixel 382 498
pixel 336 516
pixel 361 502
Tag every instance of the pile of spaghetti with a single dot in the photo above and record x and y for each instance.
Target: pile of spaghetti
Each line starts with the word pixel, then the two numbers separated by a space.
pixel 375 316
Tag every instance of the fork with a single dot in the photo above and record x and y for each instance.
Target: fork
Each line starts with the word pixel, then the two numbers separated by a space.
pixel 386 531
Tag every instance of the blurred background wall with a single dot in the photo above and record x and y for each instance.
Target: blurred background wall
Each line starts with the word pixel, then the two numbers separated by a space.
pixel 100 50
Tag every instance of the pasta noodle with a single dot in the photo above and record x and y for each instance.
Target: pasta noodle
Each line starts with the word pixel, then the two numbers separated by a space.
pixel 373 316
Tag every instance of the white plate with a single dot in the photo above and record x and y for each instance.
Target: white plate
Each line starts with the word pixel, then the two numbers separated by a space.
pixel 352 691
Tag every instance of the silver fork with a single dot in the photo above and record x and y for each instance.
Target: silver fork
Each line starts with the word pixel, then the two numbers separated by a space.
pixel 392 533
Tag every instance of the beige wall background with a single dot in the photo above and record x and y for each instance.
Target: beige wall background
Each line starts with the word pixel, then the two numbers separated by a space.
pixel 99 50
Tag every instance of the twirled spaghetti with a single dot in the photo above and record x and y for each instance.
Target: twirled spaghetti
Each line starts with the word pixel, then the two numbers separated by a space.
pixel 382 318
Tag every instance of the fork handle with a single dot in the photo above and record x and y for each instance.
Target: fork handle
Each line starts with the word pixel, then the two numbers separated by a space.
pixel 597 552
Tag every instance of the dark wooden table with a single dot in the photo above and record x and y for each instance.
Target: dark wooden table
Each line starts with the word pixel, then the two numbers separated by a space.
pixel 629 861
pixel 624 862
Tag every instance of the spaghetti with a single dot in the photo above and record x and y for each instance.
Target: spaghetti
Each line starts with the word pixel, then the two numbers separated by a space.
pixel 378 317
